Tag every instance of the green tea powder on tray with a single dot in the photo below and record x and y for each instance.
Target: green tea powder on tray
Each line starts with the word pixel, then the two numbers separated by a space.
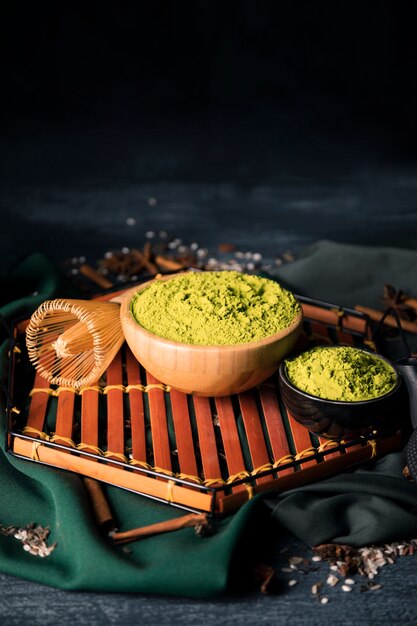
pixel 214 308
pixel 341 373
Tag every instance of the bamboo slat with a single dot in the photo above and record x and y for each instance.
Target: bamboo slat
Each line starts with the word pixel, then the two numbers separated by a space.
pixel 64 417
pixel 38 404
pixel 230 437
pixel 301 437
pixel 89 419
pixel 159 426
pixel 183 433
pixel 137 411
pixel 320 331
pixel 115 417
pixel 345 338
pixel 275 425
pixel 206 438
pixel 254 432
pixel 330 455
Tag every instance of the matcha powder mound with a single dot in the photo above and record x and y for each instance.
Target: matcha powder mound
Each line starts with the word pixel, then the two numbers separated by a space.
pixel 341 373
pixel 214 308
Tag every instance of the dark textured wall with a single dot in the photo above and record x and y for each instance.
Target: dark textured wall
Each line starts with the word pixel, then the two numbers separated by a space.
pixel 303 111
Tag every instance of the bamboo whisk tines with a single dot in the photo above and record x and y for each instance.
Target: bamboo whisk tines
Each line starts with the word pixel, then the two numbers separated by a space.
pixel 71 342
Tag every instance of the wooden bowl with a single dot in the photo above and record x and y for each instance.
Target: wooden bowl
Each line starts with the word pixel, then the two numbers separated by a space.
pixel 206 370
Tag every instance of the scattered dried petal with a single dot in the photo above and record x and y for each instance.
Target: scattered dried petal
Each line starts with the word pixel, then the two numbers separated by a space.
pixel 332 580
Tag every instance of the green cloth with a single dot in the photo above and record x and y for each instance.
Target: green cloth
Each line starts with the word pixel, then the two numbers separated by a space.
pixel 371 504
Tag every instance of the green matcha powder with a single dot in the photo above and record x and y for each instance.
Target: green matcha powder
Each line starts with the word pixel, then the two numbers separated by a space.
pixel 341 373
pixel 214 308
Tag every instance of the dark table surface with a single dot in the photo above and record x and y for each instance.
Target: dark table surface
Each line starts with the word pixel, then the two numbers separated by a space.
pixel 86 214
pixel 283 128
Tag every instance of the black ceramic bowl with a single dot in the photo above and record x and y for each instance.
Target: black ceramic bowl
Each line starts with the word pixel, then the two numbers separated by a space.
pixel 335 419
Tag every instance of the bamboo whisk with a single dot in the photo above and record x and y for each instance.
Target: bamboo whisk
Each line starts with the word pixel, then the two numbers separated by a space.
pixel 72 342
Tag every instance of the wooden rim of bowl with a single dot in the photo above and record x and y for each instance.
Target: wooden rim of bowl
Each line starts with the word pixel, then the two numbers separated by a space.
pixel 126 315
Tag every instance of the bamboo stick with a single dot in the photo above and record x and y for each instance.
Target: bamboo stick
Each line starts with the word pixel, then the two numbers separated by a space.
pixel 99 504
pixel 376 316
pixel 186 521
pixel 92 274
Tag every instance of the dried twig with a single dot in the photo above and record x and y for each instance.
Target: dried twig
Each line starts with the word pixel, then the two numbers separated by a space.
pixel 196 520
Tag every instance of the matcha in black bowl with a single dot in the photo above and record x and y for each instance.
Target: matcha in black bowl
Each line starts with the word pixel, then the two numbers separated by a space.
pixel 341 392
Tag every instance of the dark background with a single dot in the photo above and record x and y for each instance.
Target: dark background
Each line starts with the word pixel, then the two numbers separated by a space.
pixel 268 124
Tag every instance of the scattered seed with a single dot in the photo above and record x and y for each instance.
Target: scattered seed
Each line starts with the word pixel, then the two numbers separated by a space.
pixel 349 581
pixel 152 201
pixel 287 570
pixel 292 582
pixel 332 580
pixel 375 587
pixel 346 588
pixel 316 558
pixel 295 560
pixel 315 588
pixel 130 221
pixel 324 600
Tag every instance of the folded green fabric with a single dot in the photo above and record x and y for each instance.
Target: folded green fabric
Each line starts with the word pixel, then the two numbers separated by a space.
pixel 373 503
pixel 347 275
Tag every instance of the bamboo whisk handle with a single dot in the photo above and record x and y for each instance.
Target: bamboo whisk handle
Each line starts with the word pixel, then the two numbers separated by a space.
pixel 73 341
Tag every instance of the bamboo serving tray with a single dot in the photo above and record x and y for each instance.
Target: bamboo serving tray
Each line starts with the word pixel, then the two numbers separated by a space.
pixel 200 454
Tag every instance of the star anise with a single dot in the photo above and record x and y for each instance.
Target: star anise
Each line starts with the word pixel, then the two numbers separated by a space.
pixel 396 299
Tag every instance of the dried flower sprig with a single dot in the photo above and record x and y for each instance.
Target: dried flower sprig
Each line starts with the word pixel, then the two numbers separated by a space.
pixel 34 538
